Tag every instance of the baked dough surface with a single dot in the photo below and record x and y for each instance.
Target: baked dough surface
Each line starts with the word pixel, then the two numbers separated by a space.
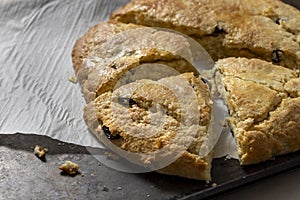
pixel 115 57
pixel 266 29
pixel 264 105
pixel 110 48
pixel 263 98
pixel 118 122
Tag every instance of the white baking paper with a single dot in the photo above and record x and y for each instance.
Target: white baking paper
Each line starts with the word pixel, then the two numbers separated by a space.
pixel 36 40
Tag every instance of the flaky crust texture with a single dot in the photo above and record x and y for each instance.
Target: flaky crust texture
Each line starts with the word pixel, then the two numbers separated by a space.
pixel 264 104
pixel 267 29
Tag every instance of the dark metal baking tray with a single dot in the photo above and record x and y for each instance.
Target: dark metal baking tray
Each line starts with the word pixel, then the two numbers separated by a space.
pixel 24 176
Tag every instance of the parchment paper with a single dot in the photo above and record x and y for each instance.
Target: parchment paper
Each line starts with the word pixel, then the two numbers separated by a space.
pixel 36 40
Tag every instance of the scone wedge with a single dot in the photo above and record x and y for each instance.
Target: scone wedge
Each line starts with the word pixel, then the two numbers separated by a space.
pixel 266 29
pixel 150 125
pixel 109 49
pixel 145 99
pixel 264 104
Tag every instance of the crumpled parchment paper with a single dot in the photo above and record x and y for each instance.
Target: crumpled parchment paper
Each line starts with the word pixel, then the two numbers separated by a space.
pixel 36 41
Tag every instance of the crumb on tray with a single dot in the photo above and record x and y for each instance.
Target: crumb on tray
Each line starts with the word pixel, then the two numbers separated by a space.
pixel 70 168
pixel 40 151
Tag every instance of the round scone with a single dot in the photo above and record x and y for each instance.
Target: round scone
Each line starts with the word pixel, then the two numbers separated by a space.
pixel 161 125
pixel 264 104
pixel 265 29
pixel 111 48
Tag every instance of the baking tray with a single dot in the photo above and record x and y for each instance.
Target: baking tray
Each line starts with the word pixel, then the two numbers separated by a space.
pixel 24 176
pixel 228 174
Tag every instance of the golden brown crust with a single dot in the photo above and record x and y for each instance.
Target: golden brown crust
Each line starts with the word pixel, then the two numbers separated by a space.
pixel 103 69
pixel 264 105
pixel 292 87
pixel 99 61
pixel 93 38
pixel 277 135
pixel 101 112
pixel 189 165
pixel 267 29
pixel 95 83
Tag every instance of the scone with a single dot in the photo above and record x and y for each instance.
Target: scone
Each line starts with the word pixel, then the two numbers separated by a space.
pixel 266 29
pixel 264 104
pixel 111 48
pixel 157 124
pixel 145 98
